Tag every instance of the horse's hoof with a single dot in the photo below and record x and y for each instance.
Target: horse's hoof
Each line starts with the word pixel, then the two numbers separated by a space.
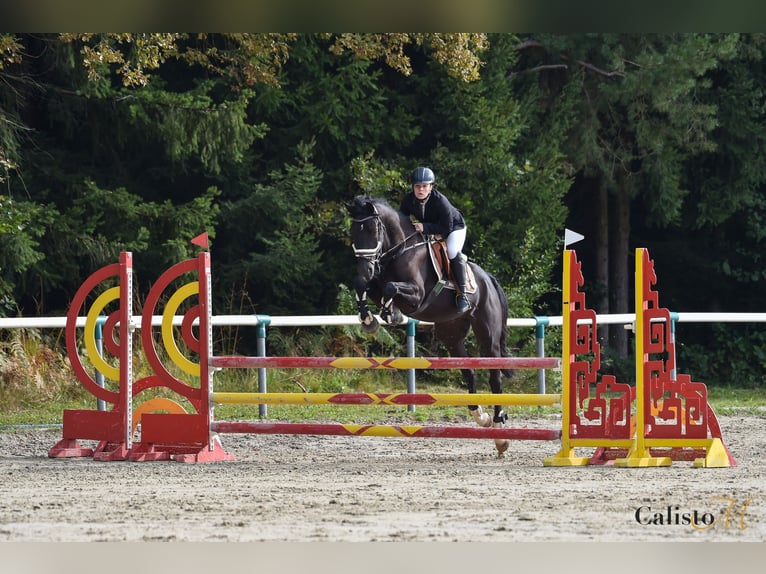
pixel 371 328
pixel 482 419
pixel 502 446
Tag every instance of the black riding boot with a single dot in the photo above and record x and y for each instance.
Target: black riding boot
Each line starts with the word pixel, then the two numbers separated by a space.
pixel 461 282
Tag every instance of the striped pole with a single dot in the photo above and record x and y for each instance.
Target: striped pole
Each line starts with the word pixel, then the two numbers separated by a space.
pixel 463 399
pixel 232 362
pixel 404 431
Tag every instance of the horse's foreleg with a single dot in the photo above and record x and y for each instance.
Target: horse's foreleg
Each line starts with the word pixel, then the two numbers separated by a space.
pixel 368 320
pixel 389 312
pixel 408 294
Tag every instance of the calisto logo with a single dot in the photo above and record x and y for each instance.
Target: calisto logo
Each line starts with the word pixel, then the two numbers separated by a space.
pixel 732 514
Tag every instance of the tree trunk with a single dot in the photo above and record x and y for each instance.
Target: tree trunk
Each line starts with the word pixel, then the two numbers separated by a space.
pixel 619 265
pixel 601 299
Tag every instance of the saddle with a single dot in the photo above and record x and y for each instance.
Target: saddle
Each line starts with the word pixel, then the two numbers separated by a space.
pixel 437 252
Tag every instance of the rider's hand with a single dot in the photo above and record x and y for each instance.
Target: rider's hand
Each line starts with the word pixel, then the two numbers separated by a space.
pixel 419 227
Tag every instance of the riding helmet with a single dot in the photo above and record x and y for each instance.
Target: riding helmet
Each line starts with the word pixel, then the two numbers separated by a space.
pixel 422 175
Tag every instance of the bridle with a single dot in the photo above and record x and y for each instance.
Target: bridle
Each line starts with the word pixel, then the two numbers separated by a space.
pixel 375 255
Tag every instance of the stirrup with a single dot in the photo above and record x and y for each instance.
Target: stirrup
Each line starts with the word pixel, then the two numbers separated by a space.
pixel 461 301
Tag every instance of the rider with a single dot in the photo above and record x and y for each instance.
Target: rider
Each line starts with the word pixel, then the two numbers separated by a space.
pixel 437 216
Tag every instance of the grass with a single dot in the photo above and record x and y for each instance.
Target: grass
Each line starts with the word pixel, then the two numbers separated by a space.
pixel 731 401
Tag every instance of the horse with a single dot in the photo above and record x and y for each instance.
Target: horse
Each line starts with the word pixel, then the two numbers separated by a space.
pixel 394 269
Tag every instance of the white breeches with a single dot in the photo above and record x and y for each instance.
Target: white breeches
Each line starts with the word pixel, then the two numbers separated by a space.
pixel 455 242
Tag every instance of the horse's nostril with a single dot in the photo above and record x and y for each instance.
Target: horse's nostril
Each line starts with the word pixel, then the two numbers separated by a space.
pixel 365 270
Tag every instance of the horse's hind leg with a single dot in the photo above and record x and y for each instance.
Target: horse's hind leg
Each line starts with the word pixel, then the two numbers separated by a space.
pixel 453 335
pixel 477 413
pixel 500 418
pixel 490 345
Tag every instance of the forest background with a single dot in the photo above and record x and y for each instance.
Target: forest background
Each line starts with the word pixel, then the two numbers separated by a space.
pixel 139 142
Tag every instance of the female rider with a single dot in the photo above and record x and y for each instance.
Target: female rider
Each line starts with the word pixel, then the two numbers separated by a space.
pixel 437 216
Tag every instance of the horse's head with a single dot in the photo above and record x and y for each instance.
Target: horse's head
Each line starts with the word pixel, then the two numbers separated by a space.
pixel 367 235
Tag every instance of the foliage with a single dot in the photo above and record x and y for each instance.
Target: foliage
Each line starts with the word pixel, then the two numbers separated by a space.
pixel 279 256
pixel 141 141
pixel 193 125
pixel 640 116
pixel 19 245
pixel 459 53
pixel 91 231
pixel 737 358
pixel 32 372
pixel 245 59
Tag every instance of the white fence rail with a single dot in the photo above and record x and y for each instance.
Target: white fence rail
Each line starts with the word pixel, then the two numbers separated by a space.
pixel 333 320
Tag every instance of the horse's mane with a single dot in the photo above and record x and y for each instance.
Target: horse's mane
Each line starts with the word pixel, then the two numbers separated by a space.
pixel 365 206
pixel 361 201
pixel 361 206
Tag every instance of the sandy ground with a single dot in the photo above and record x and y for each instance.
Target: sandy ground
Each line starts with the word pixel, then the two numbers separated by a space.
pixel 349 489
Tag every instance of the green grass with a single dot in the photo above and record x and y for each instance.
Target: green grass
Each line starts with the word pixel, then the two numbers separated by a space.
pixel 43 413
pixel 730 401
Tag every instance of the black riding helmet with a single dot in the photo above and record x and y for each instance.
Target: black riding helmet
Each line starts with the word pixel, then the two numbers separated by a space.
pixel 422 175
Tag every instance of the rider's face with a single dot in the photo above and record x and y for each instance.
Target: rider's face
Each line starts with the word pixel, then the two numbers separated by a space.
pixel 422 190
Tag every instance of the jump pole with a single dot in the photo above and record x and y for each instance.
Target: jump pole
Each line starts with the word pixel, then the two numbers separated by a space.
pixel 393 399
pixel 403 431
pixel 235 362
pixel 188 432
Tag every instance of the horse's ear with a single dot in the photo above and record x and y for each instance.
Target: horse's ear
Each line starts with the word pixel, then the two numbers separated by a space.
pixel 353 206
pixel 362 205
pixel 369 206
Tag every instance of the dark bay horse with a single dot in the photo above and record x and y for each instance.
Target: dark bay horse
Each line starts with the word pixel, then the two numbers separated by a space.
pixel 395 271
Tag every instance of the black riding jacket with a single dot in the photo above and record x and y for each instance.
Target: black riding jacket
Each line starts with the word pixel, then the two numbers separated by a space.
pixel 436 213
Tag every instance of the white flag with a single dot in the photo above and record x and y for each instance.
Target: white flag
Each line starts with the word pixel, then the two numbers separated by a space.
pixel 571 237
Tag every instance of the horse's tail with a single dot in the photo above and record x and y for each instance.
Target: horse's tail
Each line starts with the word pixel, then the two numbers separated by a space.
pixel 504 313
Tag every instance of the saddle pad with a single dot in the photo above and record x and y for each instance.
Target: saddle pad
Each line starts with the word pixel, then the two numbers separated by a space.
pixel 437 252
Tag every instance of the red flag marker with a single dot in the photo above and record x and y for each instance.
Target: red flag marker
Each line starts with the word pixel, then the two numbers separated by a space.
pixel 201 240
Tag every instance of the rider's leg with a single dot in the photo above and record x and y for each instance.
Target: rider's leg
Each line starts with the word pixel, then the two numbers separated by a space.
pixel 461 283
pixel 455 242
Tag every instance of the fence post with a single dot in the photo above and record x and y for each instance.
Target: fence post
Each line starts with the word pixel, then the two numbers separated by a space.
pixel 673 321
pixel 540 323
pixel 99 336
pixel 263 322
pixel 411 323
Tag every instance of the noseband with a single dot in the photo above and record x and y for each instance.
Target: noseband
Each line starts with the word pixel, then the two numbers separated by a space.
pixel 371 254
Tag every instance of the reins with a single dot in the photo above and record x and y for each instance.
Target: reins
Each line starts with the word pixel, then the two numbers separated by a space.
pixel 406 247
